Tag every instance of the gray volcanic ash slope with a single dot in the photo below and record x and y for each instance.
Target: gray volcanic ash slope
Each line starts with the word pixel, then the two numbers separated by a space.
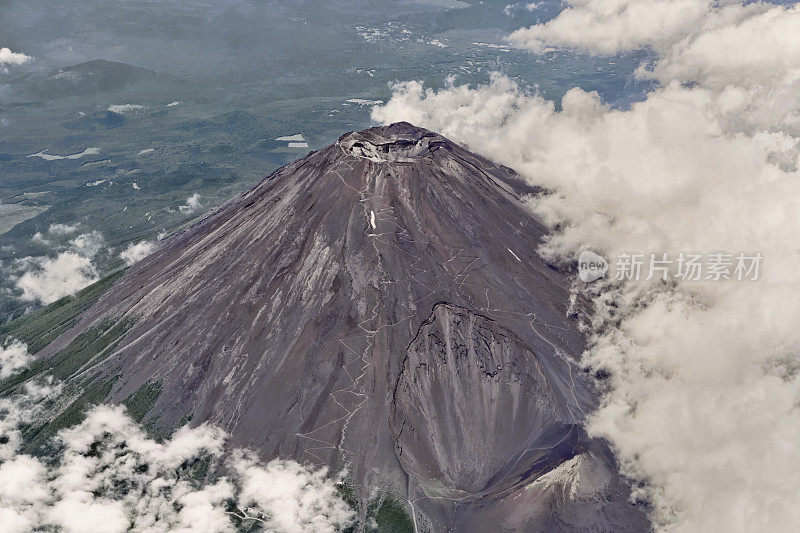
pixel 376 306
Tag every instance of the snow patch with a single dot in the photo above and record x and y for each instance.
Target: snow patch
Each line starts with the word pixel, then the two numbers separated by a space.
pixel 51 157
pixel 124 109
pixel 292 138
pixel 363 101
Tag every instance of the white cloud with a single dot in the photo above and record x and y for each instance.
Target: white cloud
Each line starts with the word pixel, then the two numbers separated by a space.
pixel 704 388
pixel 137 251
pixel 88 244
pixel 297 498
pixel 509 9
pixel 39 238
pixel 18 410
pixel 609 27
pixel 747 54
pixel 109 476
pixel 47 279
pixel 192 204
pixel 13 358
pixel 7 57
pixel 62 229
pixel 50 279
pixel 55 229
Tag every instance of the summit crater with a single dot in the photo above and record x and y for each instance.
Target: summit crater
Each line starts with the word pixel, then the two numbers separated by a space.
pixel 399 142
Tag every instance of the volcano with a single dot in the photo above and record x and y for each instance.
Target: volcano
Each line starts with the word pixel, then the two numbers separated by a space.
pixel 377 307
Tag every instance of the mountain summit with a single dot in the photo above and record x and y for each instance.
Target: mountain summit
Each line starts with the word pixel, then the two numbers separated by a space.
pixel 377 306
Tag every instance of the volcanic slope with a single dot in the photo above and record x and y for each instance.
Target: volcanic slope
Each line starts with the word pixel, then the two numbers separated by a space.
pixel 377 306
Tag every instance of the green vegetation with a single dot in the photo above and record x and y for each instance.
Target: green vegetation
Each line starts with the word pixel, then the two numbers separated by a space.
pixel 386 513
pixel 392 516
pixel 140 402
pixel 195 472
pixel 93 345
pixel 40 328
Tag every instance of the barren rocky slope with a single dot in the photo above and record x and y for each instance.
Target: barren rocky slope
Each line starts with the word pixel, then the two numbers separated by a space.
pixel 377 306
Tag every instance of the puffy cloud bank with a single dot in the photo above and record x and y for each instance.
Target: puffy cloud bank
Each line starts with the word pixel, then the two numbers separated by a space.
pixel 109 476
pixel 50 279
pixel 7 57
pixel 47 279
pixel 702 400
pixel 16 412
pixel 13 358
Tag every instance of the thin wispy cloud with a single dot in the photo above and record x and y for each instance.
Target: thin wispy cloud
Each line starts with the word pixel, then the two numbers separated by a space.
pixel 192 205
pixel 62 229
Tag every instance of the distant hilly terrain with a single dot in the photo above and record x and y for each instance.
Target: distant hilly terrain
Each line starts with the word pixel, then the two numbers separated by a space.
pixel 83 79
pixel 377 307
